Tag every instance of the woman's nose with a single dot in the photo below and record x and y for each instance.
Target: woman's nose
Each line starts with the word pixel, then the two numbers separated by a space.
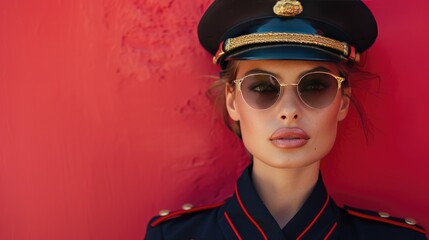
pixel 289 105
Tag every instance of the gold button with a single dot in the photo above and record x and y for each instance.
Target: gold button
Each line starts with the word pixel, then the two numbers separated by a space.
pixel 163 213
pixel 410 221
pixel 187 206
pixel 384 214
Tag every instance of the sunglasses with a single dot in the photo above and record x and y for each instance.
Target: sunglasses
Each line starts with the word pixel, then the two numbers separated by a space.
pixel 315 89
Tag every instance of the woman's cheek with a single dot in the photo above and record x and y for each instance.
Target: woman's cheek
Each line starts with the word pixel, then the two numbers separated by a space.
pixel 326 126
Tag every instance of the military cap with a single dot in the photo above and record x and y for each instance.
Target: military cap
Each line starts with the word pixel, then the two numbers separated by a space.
pixel 320 30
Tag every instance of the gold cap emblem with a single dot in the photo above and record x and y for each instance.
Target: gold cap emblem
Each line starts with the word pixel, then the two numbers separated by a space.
pixel 287 8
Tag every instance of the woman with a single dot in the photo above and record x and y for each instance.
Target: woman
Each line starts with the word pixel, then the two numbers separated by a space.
pixel 286 80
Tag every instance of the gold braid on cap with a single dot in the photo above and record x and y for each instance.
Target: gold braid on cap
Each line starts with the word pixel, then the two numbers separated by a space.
pixel 282 37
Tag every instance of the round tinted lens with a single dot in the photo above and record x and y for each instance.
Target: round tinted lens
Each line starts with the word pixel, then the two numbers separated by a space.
pixel 260 91
pixel 318 89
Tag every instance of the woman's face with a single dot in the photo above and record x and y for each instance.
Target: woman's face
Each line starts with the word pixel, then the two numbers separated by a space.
pixel 289 134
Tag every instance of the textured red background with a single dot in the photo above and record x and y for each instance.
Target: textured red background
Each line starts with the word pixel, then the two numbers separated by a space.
pixel 104 121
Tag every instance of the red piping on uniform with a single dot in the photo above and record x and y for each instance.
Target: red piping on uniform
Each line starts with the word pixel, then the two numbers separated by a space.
pixel 379 219
pixel 232 226
pixel 248 215
pixel 315 219
pixel 180 212
pixel 330 231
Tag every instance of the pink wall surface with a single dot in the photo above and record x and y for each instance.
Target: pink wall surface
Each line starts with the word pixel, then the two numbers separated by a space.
pixel 104 121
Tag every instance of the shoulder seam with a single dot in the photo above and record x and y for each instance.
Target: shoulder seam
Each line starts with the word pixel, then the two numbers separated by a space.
pixel 380 219
pixel 182 212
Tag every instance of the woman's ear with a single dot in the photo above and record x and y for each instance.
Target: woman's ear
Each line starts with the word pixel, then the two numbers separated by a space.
pixel 230 103
pixel 345 103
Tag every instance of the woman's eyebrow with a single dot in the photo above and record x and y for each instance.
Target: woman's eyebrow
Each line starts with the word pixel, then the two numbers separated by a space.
pixel 257 70
pixel 316 69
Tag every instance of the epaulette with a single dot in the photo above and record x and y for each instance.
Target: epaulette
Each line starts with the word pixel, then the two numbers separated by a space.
pixel 186 209
pixel 384 217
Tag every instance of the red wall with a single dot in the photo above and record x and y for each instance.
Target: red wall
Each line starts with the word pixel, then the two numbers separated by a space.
pixel 103 118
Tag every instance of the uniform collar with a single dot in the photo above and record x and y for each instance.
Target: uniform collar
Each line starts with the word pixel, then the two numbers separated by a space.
pixel 245 216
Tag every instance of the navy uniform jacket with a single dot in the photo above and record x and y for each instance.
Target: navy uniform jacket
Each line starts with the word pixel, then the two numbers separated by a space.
pixel 244 216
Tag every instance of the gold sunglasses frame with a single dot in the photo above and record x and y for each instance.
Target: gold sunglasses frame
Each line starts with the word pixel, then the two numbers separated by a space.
pixel 239 81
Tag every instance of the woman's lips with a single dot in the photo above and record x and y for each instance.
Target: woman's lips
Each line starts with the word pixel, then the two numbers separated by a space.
pixel 289 138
